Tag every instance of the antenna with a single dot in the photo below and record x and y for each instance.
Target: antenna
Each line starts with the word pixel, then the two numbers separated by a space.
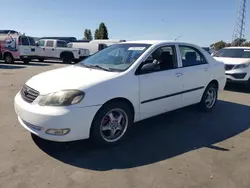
pixel 239 28
pixel 177 38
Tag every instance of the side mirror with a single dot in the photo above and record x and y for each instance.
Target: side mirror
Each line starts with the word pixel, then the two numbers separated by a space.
pixel 149 67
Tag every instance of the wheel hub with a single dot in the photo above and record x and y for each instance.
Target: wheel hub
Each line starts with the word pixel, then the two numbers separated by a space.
pixel 114 125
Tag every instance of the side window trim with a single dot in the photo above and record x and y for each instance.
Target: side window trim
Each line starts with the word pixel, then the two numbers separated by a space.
pixel 176 59
pixel 195 49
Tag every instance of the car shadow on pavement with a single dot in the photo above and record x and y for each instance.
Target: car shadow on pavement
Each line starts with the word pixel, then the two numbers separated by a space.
pixel 11 67
pixel 157 139
pixel 237 88
pixel 20 65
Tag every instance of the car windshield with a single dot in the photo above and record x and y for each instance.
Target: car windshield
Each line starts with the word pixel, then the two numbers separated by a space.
pixel 233 53
pixel 117 57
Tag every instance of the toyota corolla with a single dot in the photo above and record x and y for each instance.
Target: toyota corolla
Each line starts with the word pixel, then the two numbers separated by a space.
pixel 102 96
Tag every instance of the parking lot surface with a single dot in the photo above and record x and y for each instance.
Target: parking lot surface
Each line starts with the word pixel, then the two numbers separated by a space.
pixel 184 148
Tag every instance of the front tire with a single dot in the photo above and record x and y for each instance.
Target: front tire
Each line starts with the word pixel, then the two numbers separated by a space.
pixel 41 60
pixel 111 124
pixel 209 98
pixel 8 58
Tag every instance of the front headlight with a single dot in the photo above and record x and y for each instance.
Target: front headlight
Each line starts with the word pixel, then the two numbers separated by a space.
pixel 242 66
pixel 62 98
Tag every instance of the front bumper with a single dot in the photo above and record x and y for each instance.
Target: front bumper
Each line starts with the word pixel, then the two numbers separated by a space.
pixel 38 120
pixel 238 75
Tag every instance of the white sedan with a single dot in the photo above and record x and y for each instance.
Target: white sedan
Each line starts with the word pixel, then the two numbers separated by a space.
pixel 101 97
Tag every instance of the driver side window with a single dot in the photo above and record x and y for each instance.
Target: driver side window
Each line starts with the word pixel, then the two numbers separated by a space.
pixel 163 58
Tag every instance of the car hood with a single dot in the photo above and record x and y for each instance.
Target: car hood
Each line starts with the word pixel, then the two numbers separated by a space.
pixel 232 61
pixel 71 77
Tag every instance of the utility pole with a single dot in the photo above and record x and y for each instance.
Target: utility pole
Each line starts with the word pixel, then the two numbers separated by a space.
pixel 239 28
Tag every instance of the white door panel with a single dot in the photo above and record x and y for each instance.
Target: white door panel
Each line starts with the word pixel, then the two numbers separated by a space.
pixel 49 48
pixel 195 79
pixel 159 92
pixel 196 74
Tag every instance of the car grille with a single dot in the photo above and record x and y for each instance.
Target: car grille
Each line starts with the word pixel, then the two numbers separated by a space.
pixel 229 67
pixel 28 94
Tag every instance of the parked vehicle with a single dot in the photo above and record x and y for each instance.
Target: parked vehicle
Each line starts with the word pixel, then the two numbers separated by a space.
pixel 57 49
pixel 15 47
pixel 108 42
pixel 237 64
pixel 102 96
pixel 207 49
pixel 8 31
pixel 66 39
pixel 92 47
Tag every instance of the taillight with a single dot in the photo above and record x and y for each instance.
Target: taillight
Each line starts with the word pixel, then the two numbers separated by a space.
pixel 19 41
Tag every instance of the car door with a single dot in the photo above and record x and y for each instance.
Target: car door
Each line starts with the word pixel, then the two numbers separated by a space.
pixel 160 89
pixel 49 48
pixel 59 48
pixel 41 48
pixel 195 73
pixel 25 48
pixel 32 46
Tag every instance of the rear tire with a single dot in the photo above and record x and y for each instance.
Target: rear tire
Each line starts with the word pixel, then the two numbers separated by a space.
pixel 26 61
pixel 8 58
pixel 67 58
pixel 111 124
pixel 209 98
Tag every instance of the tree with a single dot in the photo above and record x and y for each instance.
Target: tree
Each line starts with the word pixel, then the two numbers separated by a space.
pixel 219 45
pixel 238 42
pixel 103 31
pixel 88 34
pixel 97 36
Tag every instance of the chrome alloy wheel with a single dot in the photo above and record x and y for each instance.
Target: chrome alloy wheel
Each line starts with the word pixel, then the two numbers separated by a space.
pixel 210 97
pixel 113 125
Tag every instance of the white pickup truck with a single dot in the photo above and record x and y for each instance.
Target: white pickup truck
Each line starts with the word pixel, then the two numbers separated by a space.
pixel 57 49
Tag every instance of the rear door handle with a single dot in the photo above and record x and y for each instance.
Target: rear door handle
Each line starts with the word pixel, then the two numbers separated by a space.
pixel 178 74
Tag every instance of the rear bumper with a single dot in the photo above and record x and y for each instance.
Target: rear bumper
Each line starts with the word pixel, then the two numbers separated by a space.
pixel 82 57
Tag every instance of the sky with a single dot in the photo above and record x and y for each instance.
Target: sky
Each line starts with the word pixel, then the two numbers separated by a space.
pixel 201 22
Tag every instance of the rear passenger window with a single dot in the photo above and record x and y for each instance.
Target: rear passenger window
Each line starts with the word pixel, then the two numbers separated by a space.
pixel 191 56
pixel 32 41
pixel 25 41
pixel 61 44
pixel 50 43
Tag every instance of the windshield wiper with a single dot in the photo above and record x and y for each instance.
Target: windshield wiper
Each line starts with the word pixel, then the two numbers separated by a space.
pixel 96 66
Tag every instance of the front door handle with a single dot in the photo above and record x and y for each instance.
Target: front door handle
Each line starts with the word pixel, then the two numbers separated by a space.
pixel 178 74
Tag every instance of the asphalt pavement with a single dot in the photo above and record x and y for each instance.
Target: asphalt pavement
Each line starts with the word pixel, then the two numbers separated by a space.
pixel 184 148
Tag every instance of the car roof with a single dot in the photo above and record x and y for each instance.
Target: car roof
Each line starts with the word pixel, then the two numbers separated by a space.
pixel 153 42
pixel 238 47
